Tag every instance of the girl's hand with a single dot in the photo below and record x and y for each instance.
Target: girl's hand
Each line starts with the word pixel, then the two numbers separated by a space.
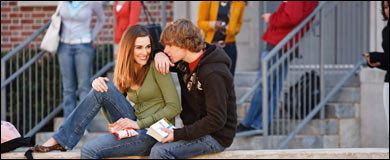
pixel 99 84
pixel 125 123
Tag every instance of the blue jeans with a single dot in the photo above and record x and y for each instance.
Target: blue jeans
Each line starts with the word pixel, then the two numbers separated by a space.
pixel 109 146
pixel 231 50
pixel 186 149
pixel 117 107
pixel 254 117
pixel 76 62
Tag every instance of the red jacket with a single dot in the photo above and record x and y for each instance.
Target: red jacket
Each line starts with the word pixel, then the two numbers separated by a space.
pixel 286 18
pixel 126 17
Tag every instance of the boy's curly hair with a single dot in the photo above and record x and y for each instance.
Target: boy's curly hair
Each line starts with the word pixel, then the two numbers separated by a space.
pixel 184 34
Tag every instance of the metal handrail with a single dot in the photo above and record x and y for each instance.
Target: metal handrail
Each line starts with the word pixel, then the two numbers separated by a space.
pixel 275 60
pixel 22 69
pixel 19 48
pixel 26 42
pixel 321 105
pixel 52 107
pixel 275 50
pixel 292 34
pixel 321 11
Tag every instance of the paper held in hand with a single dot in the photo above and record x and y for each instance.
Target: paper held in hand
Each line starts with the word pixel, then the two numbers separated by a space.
pixel 156 129
pixel 121 134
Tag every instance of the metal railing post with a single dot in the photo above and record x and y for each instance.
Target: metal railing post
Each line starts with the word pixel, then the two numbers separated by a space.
pixel 164 13
pixel 322 82
pixel 3 93
pixel 265 104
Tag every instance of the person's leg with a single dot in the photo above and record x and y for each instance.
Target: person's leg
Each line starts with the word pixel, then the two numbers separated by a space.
pixel 68 75
pixel 84 64
pixel 277 87
pixel 186 149
pixel 84 54
pixel 254 117
pixel 117 106
pixel 109 146
pixel 386 101
pixel 231 50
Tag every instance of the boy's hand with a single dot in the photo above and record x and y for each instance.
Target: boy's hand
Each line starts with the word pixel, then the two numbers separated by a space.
pixel 170 137
pixel 125 123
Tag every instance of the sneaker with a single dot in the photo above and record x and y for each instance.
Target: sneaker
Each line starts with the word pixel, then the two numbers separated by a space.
pixel 242 128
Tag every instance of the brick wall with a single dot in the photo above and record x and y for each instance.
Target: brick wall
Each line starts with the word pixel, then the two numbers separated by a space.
pixel 17 23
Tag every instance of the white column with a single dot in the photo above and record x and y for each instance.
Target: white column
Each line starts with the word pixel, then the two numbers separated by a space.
pixel 376 26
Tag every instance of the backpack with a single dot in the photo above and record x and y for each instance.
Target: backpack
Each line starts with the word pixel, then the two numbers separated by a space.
pixel 11 139
pixel 303 96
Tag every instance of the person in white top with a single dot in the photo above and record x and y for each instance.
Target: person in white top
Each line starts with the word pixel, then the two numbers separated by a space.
pixel 76 51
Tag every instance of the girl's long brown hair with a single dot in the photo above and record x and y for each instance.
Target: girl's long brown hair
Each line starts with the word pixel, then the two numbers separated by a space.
pixel 126 73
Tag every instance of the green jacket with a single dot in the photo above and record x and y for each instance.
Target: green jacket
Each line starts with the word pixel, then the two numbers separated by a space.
pixel 156 99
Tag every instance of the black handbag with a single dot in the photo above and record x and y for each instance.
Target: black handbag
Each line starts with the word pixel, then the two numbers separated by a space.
pixel 153 28
pixel 11 139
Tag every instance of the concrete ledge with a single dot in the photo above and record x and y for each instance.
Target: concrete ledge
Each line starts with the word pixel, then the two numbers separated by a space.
pixel 358 153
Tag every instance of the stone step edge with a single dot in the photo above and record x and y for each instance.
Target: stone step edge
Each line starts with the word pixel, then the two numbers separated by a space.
pixel 349 153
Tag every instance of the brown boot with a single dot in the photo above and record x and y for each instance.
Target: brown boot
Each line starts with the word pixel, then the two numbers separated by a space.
pixel 43 149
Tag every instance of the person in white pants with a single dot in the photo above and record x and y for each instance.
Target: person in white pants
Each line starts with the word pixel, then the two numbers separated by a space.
pixel 386 101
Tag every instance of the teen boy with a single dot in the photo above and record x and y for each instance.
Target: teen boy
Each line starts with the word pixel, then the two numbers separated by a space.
pixel 207 92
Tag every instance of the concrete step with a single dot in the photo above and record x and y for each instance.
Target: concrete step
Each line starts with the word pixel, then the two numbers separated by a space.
pixel 300 142
pixel 98 124
pixel 350 153
pixel 247 79
pixel 313 128
pixel 333 112
pixel 346 95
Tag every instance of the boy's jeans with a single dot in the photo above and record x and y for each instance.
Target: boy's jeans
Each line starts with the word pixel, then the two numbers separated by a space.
pixel 186 149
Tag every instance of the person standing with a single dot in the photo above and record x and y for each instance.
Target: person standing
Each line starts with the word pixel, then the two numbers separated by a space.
pixel 76 51
pixel 221 21
pixel 282 22
pixel 126 15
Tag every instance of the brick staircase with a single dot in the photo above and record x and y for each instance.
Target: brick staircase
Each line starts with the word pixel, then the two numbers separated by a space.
pixel 341 125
